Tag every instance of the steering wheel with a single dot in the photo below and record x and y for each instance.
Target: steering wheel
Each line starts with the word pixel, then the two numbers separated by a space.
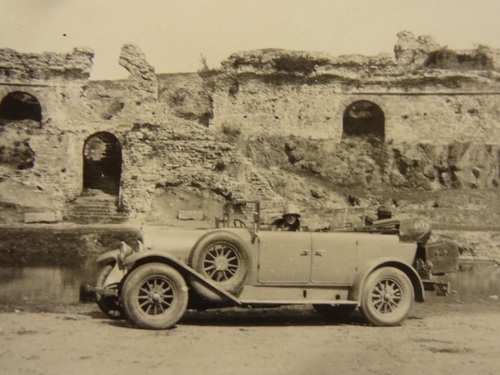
pixel 239 223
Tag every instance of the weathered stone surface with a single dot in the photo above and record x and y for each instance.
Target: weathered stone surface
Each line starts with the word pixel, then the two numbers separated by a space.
pixel 307 66
pixel 142 80
pixel 187 96
pixel 189 215
pixel 13 193
pixel 16 66
pixel 42 217
pixel 269 125
pixel 15 150
pixel 413 50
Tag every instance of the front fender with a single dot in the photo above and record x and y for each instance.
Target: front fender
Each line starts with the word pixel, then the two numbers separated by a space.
pixel 359 281
pixel 191 276
pixel 109 257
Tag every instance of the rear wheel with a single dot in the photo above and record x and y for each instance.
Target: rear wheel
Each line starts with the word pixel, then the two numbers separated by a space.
pixel 155 296
pixel 387 297
pixel 109 305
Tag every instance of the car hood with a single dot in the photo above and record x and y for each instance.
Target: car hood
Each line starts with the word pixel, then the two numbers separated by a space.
pixel 171 240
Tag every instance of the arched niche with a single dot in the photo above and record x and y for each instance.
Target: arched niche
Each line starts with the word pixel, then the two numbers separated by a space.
pixel 102 163
pixel 364 119
pixel 19 105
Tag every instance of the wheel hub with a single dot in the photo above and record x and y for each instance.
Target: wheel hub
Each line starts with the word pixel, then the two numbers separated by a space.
pixel 221 263
pixel 156 297
pixel 386 297
pixel 389 294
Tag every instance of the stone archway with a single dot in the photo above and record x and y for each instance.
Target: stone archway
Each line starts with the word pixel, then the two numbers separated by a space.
pixel 364 119
pixel 102 163
pixel 20 119
pixel 20 105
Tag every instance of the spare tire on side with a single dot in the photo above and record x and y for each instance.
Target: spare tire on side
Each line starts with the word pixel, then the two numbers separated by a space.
pixel 223 258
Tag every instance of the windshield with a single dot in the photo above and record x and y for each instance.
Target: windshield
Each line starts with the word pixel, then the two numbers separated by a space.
pixel 240 214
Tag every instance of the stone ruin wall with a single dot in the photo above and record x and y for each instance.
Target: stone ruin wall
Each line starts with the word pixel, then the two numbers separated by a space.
pixel 441 125
pixel 168 141
pixel 317 112
pixel 445 123
pixel 56 81
pixel 162 145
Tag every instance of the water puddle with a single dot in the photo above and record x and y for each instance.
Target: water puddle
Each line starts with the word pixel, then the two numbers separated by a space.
pixel 59 285
pixel 476 280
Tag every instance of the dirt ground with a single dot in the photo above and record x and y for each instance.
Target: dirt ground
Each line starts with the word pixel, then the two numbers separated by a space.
pixel 442 336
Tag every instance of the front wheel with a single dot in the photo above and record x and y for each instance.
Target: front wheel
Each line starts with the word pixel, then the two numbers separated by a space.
pixel 155 296
pixel 387 297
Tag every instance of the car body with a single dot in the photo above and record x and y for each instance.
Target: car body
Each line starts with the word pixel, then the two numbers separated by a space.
pixel 376 268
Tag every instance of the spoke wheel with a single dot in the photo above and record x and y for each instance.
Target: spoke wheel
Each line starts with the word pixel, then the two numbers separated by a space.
pixel 155 296
pixel 221 262
pixel 109 305
pixel 387 297
pixel 223 258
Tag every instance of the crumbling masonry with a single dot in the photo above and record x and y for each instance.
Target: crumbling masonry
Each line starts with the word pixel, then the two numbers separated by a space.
pixel 269 125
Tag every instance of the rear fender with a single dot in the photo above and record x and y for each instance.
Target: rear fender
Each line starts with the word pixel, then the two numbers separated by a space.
pixel 193 278
pixel 418 287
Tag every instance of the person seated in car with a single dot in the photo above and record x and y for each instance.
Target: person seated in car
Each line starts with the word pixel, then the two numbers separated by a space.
pixel 289 221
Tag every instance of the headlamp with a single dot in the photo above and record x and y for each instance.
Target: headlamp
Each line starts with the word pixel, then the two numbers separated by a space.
pixel 125 251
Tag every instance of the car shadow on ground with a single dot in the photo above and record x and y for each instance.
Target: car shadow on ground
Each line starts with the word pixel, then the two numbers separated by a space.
pixel 265 317
pixel 261 317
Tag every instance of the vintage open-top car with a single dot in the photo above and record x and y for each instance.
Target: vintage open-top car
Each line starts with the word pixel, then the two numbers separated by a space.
pixel 382 268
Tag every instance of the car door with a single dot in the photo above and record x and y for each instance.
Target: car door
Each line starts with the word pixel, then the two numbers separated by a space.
pixel 284 257
pixel 334 258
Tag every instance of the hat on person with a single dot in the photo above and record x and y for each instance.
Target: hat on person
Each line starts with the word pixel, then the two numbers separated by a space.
pixel 291 209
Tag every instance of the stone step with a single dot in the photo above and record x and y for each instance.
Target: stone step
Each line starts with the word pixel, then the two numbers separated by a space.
pixel 101 210
pixel 96 219
pixel 92 209
pixel 87 216
pixel 95 202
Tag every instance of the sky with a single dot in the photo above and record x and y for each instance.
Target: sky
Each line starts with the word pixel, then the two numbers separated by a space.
pixel 174 34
